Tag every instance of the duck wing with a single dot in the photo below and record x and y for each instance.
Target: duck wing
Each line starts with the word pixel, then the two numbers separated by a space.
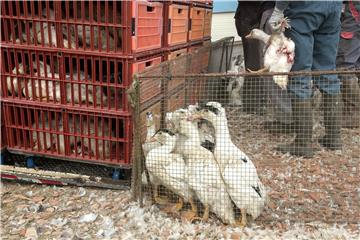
pixel 245 187
pixel 206 180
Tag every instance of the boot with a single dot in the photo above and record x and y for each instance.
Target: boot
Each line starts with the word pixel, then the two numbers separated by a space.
pixel 275 127
pixel 302 115
pixel 332 138
pixel 350 91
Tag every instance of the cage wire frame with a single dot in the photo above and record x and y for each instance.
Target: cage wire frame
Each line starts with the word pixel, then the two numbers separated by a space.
pixel 156 88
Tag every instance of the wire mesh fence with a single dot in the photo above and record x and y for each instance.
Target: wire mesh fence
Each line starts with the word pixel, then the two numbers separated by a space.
pixel 208 146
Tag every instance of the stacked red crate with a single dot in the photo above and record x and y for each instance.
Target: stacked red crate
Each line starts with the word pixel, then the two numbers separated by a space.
pixel 65 68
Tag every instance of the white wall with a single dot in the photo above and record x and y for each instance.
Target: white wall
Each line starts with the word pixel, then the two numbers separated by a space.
pixel 223 25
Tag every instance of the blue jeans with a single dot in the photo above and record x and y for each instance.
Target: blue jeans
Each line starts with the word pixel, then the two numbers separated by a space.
pixel 315 29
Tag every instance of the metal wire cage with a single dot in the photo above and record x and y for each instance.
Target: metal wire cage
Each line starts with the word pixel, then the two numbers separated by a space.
pixel 206 144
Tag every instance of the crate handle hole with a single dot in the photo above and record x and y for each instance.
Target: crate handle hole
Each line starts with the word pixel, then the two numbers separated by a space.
pixel 150 9
pixel 180 10
pixel 198 12
pixel 148 64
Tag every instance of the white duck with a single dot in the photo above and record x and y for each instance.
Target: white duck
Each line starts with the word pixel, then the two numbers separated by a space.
pixel 148 145
pixel 279 52
pixel 204 173
pixel 169 168
pixel 44 89
pixel 42 139
pixel 239 173
pixel 102 148
pixel 206 130
pixel 234 90
pixel 16 84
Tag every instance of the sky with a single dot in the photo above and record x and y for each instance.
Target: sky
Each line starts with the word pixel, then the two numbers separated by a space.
pixel 225 5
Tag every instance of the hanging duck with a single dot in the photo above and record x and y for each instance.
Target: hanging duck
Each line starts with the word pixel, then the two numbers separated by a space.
pixel 279 52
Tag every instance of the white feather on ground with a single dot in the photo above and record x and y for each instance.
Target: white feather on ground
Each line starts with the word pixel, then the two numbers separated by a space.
pixel 119 218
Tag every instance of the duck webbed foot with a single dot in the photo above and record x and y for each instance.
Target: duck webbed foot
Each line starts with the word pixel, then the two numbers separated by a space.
pixel 243 221
pixel 265 69
pixel 158 199
pixel 205 216
pixel 175 208
pixel 192 214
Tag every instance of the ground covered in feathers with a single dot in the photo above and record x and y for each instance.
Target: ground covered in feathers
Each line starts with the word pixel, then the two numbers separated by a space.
pixel 309 199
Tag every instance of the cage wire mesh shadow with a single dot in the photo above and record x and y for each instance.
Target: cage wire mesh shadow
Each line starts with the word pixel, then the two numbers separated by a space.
pixel 206 146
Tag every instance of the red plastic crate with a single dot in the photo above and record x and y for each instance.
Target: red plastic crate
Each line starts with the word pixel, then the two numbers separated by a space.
pixel 196 30
pixel 123 27
pixel 196 65
pixel 176 100
pixel 207 22
pixel 30 75
pixel 177 68
pixel 147 25
pixel 71 135
pixel 150 87
pixel 177 24
pixel 3 141
pixel 76 80
pixel 177 53
pixel 146 63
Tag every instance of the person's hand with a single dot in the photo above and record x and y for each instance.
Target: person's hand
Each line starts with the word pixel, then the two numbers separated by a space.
pixel 276 17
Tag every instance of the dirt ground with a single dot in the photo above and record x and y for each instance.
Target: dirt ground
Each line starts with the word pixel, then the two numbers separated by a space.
pixel 316 198
pixel 325 188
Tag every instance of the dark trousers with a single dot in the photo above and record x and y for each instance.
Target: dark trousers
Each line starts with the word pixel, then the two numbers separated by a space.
pixel 253 89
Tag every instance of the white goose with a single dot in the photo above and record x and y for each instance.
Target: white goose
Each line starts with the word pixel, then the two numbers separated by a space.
pixel 169 168
pixel 239 173
pixel 203 172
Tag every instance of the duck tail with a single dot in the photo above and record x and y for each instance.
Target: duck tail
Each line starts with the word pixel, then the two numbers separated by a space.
pixel 281 80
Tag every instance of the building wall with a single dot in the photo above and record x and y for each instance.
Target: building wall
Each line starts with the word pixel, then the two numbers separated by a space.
pixel 223 25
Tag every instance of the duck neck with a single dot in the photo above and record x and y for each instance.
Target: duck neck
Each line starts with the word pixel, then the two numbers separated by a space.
pixel 192 133
pixel 150 131
pixel 262 36
pixel 222 133
pixel 167 148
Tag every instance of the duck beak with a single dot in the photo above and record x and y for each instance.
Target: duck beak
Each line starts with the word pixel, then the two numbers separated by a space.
pixel 152 139
pixel 194 117
pixel 248 36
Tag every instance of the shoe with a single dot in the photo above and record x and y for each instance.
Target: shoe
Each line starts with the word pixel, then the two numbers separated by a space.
pixel 279 127
pixel 350 92
pixel 332 138
pixel 303 125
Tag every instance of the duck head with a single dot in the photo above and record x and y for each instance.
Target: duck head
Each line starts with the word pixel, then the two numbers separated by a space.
pixel 173 119
pixel 149 119
pixel 209 112
pixel 165 137
pixel 258 34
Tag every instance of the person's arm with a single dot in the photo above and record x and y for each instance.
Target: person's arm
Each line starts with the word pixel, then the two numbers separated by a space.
pixel 278 13
pixel 281 5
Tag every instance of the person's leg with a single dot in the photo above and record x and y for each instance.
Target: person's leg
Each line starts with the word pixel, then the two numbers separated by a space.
pixel 253 87
pixel 347 58
pixel 300 91
pixel 326 40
